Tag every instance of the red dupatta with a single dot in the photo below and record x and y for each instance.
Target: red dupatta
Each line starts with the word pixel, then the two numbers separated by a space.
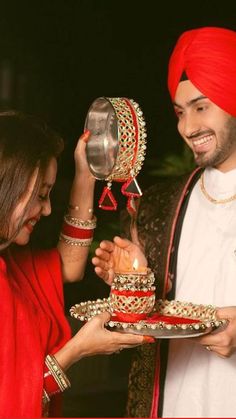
pixel 33 324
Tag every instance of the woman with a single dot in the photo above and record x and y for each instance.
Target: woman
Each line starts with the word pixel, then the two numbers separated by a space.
pixel 36 345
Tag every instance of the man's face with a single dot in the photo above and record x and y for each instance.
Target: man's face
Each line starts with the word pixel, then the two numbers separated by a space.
pixel 208 130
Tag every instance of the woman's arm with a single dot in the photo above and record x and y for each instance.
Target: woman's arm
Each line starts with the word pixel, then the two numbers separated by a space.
pixel 92 339
pixel 77 230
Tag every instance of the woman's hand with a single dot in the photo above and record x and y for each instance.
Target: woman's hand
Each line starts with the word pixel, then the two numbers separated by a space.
pixel 94 339
pixel 222 343
pixel 116 256
pixel 81 164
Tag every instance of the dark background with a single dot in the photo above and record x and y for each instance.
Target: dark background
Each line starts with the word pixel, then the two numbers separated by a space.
pixel 59 55
pixel 56 57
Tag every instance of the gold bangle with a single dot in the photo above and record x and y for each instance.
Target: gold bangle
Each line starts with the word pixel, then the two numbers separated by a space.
pixel 45 404
pixel 57 372
pixel 77 222
pixel 75 242
pixel 77 208
pixel 46 398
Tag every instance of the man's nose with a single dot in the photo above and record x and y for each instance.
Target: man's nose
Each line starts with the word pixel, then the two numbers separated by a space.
pixel 191 126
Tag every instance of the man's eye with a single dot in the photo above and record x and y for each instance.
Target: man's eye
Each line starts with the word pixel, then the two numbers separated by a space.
pixel 201 108
pixel 179 114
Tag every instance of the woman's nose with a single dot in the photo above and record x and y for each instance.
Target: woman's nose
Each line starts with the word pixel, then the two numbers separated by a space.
pixel 46 208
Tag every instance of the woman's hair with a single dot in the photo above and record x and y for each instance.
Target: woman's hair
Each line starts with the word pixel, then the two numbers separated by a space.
pixel 26 143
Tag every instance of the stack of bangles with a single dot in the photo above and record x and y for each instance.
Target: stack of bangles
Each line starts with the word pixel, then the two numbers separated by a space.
pixel 55 380
pixel 77 232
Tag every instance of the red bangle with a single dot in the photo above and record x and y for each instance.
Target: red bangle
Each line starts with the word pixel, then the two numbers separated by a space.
pixel 50 385
pixel 76 232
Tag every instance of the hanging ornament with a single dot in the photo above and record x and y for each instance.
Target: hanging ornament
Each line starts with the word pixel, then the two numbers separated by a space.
pixel 107 200
pixel 131 188
pixel 116 148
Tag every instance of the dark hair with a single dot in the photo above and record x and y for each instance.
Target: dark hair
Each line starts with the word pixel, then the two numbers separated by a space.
pixel 26 143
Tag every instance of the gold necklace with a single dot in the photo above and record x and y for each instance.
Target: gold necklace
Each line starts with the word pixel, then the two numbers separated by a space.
pixel 209 197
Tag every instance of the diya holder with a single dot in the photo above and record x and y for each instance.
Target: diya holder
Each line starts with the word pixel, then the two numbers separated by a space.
pixel 132 295
pixel 168 319
pixel 116 148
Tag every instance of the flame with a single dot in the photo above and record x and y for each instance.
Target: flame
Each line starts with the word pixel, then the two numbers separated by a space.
pixel 135 264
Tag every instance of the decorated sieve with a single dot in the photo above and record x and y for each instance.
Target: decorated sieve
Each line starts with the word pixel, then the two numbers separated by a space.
pixel 116 148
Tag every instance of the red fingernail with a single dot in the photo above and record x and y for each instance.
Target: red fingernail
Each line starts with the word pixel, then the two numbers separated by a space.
pixel 85 136
pixel 148 339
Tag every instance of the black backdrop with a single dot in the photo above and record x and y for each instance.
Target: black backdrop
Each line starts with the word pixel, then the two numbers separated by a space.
pixel 59 55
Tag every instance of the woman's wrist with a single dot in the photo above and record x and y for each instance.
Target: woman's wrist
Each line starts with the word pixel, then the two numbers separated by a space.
pixel 76 231
pixel 81 199
pixel 81 179
pixel 82 211
pixel 68 355
pixel 55 379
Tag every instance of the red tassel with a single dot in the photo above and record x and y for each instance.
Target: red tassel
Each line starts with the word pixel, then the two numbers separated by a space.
pixel 107 200
pixel 131 188
pixel 132 205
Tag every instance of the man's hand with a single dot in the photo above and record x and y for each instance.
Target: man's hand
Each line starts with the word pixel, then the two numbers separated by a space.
pixel 222 343
pixel 116 256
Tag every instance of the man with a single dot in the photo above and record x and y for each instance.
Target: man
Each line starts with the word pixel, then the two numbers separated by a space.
pixel 187 229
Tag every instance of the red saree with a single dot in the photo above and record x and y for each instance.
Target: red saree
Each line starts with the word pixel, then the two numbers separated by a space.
pixel 33 324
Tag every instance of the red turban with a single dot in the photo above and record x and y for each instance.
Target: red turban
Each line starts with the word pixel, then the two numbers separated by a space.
pixel 208 57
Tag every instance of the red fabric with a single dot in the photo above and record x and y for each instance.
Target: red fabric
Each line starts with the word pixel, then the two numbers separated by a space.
pixel 208 57
pixel 33 324
pixel 128 317
pixel 170 319
pixel 129 293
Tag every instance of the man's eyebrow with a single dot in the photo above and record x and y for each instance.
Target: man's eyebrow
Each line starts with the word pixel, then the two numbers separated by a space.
pixel 190 102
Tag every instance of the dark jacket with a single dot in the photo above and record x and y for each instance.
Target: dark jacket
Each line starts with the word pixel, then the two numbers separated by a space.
pixel 160 216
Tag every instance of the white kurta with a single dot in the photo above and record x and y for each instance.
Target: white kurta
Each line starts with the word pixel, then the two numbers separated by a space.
pixel 200 383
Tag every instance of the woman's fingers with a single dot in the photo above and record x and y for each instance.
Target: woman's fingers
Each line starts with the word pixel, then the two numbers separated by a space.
pixel 85 136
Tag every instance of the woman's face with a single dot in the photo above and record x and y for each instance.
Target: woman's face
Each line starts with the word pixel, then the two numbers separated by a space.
pixel 41 206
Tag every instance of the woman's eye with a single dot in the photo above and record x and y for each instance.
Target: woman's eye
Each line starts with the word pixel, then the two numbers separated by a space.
pixel 43 197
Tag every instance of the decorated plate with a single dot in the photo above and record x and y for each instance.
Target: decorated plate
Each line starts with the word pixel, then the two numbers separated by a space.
pixel 170 319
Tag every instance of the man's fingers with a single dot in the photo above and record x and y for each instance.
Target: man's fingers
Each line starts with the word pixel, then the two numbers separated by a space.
pixel 101 273
pixel 102 254
pixel 123 243
pixel 107 276
pixel 101 263
pixel 107 245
